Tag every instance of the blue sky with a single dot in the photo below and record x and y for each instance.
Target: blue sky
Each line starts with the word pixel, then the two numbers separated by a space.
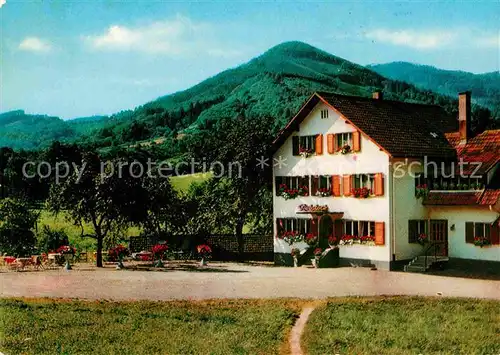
pixel 80 58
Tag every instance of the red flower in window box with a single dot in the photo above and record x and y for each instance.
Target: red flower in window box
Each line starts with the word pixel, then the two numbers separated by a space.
pixel 303 191
pixel 332 240
pixel 362 192
pixel 367 239
pixel 305 152
pixel 346 148
pixel 422 239
pixel 311 239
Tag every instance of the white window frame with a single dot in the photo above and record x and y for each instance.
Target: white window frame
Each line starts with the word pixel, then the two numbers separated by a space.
pixel 343 139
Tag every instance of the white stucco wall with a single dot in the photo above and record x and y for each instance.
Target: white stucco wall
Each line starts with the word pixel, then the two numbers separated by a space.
pixel 457 216
pixel 406 206
pixel 369 160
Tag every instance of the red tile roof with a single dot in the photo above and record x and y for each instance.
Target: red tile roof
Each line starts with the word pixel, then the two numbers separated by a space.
pixel 402 129
pixel 490 197
pixel 483 148
pixel 452 198
pixel 462 198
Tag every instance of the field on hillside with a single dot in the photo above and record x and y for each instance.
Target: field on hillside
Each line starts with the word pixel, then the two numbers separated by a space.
pixel 182 183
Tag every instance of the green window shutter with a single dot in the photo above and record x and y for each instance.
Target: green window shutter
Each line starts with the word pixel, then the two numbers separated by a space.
pixel 295 145
pixel 469 232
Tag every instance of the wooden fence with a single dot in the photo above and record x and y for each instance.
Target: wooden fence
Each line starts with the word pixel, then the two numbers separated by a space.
pixel 256 247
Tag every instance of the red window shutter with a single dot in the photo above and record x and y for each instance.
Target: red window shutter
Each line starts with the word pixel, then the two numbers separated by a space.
pixel 346 182
pixel 356 141
pixel 314 185
pixel 330 140
pixel 379 233
pixel 469 232
pixel 319 144
pixel 495 233
pixel 336 185
pixel 379 185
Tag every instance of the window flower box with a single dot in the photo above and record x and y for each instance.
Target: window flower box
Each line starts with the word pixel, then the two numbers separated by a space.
pixel 291 237
pixel 354 239
pixel 290 194
pixel 305 152
pixel 345 149
pixel 362 192
pixel 324 192
pixel 481 241
pixel 421 191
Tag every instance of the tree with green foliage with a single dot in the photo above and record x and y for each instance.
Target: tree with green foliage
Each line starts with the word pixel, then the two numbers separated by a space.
pixel 16 224
pixel 109 201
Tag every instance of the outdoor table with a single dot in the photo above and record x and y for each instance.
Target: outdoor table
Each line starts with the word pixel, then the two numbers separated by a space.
pixel 51 258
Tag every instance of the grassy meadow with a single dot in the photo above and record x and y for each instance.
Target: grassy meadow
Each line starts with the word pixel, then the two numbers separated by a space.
pixel 45 326
pixel 404 325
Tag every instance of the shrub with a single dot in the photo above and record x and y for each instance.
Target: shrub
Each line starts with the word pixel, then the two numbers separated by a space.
pixel 51 239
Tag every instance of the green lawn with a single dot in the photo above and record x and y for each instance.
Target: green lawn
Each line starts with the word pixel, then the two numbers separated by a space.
pixel 61 222
pixel 404 326
pixel 212 327
pixel 181 183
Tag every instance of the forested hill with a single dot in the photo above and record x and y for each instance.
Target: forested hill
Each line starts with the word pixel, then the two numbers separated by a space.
pixel 272 86
pixel 485 87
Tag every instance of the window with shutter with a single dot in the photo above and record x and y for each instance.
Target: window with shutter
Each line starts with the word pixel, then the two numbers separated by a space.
pixel 346 183
pixel 356 141
pixel 278 182
pixel 314 185
pixel 415 228
pixel 469 232
pixel 319 144
pixel 379 184
pixel 330 142
pixel 379 233
pixel 336 185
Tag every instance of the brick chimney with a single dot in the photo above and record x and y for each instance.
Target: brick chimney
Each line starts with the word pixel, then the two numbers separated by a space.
pixel 377 95
pixel 464 116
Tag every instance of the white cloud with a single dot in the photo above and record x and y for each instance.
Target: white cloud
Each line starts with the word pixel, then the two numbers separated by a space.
pixel 492 41
pixel 2 3
pixel 412 38
pixel 34 44
pixel 177 36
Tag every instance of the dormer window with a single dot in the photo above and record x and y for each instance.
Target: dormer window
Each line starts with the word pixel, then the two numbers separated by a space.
pixel 324 113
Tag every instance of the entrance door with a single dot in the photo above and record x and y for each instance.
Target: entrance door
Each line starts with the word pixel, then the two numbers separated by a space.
pixel 325 230
pixel 439 235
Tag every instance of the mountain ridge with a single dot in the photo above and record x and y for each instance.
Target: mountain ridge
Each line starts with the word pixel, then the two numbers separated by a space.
pixel 272 85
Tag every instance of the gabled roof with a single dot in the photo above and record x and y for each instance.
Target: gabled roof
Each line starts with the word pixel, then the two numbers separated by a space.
pixel 399 128
pixel 483 148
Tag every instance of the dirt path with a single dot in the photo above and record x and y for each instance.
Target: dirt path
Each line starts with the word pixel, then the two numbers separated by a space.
pixel 298 329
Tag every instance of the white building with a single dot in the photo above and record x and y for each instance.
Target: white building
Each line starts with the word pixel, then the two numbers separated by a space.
pixel 337 145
